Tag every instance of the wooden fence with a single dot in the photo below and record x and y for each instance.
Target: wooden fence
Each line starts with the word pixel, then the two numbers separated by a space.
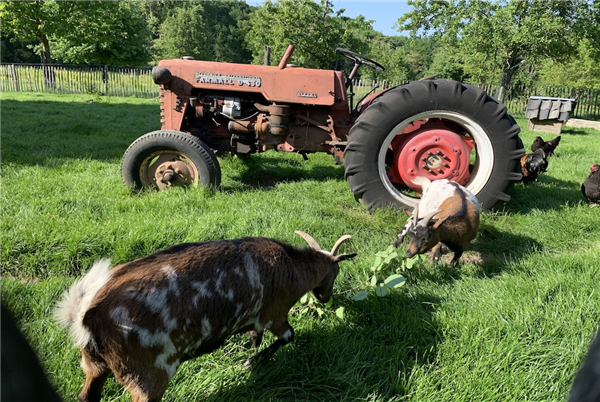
pixel 138 82
pixel 105 80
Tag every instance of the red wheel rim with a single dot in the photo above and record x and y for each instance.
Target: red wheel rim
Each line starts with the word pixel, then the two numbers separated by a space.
pixel 432 150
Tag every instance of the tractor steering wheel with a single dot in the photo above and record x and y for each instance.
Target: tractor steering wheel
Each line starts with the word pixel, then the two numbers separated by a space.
pixel 360 59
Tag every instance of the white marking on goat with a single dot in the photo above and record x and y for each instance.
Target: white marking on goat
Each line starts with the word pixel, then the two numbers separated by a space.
pixel 433 197
pixel 169 272
pixel 206 328
pixel 120 315
pixel 238 272
pixel 202 289
pixel 219 286
pixel 252 272
pixel 159 338
pixel 161 362
pixel 156 301
pixel 287 335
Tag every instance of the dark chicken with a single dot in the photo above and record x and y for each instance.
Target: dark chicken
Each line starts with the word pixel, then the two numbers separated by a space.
pixel 547 146
pixel 533 164
pixel 591 186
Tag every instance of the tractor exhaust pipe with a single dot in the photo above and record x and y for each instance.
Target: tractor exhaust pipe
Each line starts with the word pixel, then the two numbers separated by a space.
pixel 286 57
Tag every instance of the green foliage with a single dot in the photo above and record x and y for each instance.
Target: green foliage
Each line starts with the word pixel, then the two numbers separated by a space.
pixel 109 32
pixel 387 264
pixel 581 71
pixel 493 37
pixel 208 30
pixel 105 32
pixel 312 27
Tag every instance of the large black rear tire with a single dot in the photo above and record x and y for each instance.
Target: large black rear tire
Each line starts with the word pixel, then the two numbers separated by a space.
pixel 464 113
pixel 165 158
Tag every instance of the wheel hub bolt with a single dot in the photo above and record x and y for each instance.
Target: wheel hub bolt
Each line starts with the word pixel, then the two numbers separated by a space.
pixel 168 176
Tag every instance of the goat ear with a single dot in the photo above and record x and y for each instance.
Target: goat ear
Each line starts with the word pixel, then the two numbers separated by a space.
pixel 436 223
pixel 342 257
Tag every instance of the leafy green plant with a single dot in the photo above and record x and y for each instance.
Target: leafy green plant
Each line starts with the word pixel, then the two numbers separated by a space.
pixel 387 264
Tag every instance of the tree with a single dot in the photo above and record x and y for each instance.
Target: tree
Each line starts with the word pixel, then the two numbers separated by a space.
pixel 208 30
pixel 13 50
pixel 582 71
pixel 313 28
pixel 29 21
pixel 495 37
pixel 110 32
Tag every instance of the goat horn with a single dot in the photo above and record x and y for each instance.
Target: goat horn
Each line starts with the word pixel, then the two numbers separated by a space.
pixel 415 215
pixel 309 239
pixel 425 221
pixel 338 243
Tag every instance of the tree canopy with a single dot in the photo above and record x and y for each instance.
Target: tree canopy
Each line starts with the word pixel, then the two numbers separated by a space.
pixel 554 42
pixel 314 28
pixel 207 30
pixel 109 32
pixel 494 38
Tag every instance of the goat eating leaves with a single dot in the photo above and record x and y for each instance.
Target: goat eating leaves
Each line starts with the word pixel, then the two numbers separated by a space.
pixel 447 214
pixel 142 319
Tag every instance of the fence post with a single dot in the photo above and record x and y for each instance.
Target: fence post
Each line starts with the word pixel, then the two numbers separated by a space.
pixel 105 79
pixel 14 77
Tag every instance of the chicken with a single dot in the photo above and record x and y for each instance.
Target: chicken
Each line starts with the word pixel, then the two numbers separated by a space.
pixel 591 186
pixel 533 164
pixel 547 146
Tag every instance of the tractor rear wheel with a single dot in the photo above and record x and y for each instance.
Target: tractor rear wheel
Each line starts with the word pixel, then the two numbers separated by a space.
pixel 438 129
pixel 166 158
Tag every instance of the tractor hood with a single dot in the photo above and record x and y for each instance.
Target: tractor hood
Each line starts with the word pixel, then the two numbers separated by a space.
pixel 285 85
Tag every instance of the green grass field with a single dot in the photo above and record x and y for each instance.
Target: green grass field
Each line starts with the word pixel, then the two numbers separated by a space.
pixel 512 323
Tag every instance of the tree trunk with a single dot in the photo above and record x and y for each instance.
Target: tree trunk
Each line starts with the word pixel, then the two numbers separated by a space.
pixel 49 76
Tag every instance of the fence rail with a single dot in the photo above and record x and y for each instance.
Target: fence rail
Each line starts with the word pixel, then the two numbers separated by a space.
pixel 113 81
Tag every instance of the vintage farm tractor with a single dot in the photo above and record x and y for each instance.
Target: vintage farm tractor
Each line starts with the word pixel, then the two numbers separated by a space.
pixel 433 128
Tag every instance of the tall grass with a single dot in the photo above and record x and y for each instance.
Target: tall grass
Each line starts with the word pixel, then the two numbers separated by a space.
pixel 512 323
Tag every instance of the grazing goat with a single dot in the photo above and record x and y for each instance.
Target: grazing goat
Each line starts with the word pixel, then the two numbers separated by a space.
pixel 447 214
pixel 142 319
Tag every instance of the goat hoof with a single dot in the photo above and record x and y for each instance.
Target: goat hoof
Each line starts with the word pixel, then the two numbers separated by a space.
pixel 248 364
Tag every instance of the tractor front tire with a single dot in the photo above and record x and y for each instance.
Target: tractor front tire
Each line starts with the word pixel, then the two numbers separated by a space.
pixel 166 158
pixel 465 114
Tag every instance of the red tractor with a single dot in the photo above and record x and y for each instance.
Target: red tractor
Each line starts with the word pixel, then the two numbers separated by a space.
pixel 439 129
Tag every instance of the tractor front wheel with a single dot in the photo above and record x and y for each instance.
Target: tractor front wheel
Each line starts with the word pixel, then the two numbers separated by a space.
pixel 438 129
pixel 167 158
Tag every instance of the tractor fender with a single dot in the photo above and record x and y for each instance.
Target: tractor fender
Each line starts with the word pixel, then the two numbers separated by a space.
pixel 367 101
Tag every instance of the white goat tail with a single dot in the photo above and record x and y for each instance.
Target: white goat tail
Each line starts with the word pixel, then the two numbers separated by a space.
pixel 76 301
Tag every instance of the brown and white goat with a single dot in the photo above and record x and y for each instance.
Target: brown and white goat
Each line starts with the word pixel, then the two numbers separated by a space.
pixel 447 214
pixel 142 319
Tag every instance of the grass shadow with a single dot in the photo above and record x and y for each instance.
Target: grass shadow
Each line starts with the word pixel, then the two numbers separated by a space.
pixel 574 131
pixel 100 130
pixel 397 332
pixel 546 193
pixel 266 170
pixel 488 255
